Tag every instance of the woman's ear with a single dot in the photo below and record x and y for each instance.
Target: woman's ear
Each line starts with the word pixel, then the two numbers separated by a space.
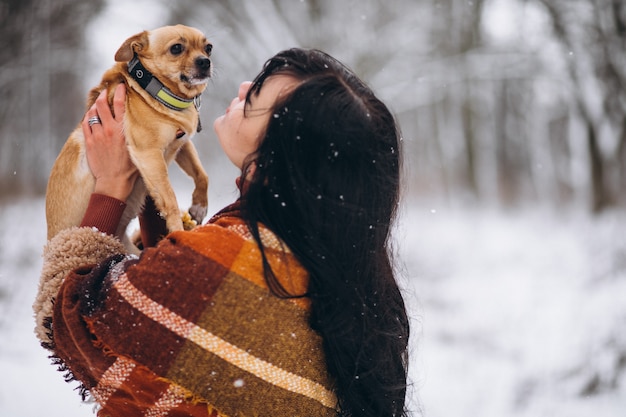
pixel 246 177
pixel 250 170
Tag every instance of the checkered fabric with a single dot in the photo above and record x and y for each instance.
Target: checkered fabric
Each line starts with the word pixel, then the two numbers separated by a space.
pixel 188 329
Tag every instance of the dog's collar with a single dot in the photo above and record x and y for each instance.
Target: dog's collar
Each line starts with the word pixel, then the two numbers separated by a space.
pixel 156 89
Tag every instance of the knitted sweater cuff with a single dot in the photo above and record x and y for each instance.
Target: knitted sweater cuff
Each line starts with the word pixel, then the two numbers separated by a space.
pixel 103 213
pixel 70 249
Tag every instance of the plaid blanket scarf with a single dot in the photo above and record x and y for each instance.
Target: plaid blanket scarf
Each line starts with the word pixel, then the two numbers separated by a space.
pixel 188 329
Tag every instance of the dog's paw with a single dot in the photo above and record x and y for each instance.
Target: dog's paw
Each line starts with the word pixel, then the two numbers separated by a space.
pixel 188 222
pixel 198 212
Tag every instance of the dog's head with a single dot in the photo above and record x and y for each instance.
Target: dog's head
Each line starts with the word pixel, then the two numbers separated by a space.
pixel 179 56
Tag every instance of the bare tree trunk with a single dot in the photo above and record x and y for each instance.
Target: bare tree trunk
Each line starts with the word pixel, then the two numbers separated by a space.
pixel 469 135
pixel 600 195
pixel 436 111
pixel 560 158
pixel 506 184
pixel 621 162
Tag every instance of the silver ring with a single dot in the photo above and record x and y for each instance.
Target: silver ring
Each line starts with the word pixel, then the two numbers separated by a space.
pixel 94 120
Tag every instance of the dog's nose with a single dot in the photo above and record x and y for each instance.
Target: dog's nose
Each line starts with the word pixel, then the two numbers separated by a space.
pixel 203 63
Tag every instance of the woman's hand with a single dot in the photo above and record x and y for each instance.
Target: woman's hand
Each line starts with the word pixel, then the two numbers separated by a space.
pixel 105 146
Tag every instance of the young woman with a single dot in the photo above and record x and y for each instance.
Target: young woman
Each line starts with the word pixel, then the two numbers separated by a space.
pixel 283 304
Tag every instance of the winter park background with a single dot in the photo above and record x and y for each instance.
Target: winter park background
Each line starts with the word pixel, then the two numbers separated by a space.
pixel 512 234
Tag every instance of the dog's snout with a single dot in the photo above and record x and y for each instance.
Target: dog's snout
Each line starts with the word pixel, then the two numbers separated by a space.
pixel 203 63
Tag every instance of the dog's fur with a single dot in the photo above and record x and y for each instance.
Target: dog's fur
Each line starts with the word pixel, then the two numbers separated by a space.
pixel 150 129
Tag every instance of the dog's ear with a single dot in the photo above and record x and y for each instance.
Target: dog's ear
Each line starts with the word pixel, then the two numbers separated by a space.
pixel 131 45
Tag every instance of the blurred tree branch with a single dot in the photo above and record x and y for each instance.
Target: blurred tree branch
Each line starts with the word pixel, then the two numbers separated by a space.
pixel 594 33
pixel 41 51
pixel 506 120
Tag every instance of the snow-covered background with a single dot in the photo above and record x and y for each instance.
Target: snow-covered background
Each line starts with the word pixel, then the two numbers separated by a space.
pixel 518 313
pixel 515 313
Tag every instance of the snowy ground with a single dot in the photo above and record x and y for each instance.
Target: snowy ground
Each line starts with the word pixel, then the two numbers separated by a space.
pixel 521 314
pixel 515 314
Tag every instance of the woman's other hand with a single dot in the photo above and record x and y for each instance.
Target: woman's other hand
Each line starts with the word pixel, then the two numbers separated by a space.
pixel 105 146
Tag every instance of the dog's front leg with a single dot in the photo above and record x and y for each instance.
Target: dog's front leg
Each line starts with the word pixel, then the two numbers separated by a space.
pixel 187 158
pixel 153 170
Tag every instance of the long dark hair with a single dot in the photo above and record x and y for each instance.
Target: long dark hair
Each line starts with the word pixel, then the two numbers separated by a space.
pixel 327 183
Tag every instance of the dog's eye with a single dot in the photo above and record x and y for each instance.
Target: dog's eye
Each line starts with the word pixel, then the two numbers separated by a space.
pixel 208 49
pixel 176 49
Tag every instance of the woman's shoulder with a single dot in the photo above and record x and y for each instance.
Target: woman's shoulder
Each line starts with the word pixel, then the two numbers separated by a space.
pixel 230 229
pixel 226 240
pixel 221 240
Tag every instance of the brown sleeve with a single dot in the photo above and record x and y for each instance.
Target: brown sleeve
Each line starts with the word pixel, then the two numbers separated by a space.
pixel 103 213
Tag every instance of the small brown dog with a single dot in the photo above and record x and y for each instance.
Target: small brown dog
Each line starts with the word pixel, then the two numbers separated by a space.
pixel 165 71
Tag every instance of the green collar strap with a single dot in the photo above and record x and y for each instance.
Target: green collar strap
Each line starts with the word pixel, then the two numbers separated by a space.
pixel 156 88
